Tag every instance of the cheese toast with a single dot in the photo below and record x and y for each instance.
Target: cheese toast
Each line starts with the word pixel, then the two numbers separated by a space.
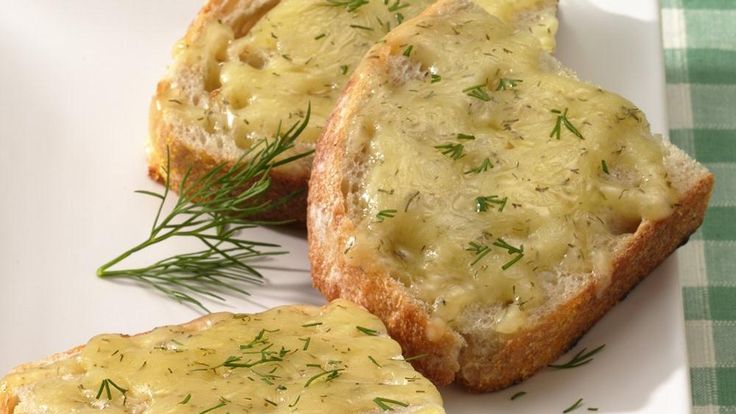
pixel 485 203
pixel 304 359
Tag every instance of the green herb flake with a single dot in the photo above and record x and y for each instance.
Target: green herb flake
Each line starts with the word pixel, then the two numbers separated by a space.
pixel 383 403
pixel 396 6
pixel 105 386
pixel 604 166
pixel 435 78
pixel 483 167
pixel 479 250
pixel 478 92
pixel 465 137
pixel 343 69
pixel 574 407
pixel 384 214
pixel 319 36
pixel 482 203
pixel 361 27
pixel 186 399
pixel 329 376
pixel 581 358
pixel 454 151
pixel 504 84
pixel 561 121
pixel 367 331
pixel 407 51
pixel 350 5
pixel 374 361
pixel 518 251
pixel 518 395
pixel 307 325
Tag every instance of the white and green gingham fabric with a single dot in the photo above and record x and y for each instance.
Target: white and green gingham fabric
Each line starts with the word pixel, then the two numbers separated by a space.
pixel 700 54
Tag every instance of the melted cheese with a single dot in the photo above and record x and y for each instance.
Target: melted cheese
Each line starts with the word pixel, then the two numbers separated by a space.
pixel 473 112
pixel 286 360
pixel 302 52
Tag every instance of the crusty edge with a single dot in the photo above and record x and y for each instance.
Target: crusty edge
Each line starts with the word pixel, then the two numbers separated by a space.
pixel 9 398
pixel 527 352
pixel 407 319
pixel 182 156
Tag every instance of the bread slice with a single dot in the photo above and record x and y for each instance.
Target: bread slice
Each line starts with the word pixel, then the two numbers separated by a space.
pixel 487 205
pixel 243 67
pixel 337 358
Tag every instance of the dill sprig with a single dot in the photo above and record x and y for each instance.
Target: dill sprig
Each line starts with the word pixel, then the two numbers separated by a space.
pixel 581 358
pixel 213 209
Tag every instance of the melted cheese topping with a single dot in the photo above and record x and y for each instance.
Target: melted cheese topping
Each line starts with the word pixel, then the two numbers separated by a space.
pixel 336 359
pixel 489 171
pixel 301 52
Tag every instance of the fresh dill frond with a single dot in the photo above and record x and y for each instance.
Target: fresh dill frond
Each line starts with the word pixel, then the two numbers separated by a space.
pixel 581 358
pixel 435 78
pixel 213 209
pixel 407 51
pixel 604 167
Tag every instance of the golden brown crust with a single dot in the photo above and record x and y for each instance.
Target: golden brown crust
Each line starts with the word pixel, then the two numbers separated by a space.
pixel 183 156
pixel 478 366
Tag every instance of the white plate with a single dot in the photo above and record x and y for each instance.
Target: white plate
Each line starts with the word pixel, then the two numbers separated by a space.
pixel 74 89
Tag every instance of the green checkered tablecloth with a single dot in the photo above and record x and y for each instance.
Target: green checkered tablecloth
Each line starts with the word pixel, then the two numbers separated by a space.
pixel 700 54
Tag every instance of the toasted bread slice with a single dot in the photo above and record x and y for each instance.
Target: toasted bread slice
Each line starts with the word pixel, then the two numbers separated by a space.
pixel 245 66
pixel 337 359
pixel 485 203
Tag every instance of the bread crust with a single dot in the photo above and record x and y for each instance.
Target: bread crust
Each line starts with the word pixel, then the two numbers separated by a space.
pixel 452 356
pixel 182 155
